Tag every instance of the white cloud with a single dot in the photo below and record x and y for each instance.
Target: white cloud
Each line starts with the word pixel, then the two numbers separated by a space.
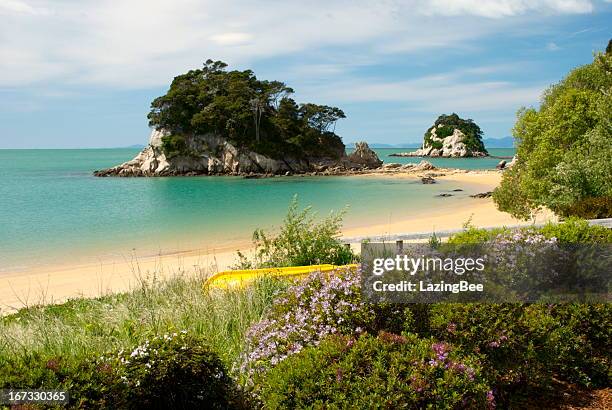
pixel 552 46
pixel 505 8
pixel 453 91
pixel 232 39
pixel 19 7
pixel 141 43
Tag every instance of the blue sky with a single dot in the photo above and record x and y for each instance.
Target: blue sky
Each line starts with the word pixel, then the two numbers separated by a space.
pixel 83 73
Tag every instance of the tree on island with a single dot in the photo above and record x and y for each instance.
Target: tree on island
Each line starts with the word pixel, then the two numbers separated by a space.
pixel 255 114
pixel 564 149
pixel 445 125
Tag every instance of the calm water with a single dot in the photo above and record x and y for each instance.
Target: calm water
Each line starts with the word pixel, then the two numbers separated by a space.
pixel 53 210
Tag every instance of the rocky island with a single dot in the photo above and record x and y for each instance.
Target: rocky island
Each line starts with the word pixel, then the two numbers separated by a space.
pixel 450 136
pixel 218 122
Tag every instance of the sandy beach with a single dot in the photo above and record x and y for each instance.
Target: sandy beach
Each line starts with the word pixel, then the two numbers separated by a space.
pixel 54 284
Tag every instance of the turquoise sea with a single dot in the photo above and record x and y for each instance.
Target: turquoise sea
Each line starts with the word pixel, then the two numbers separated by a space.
pixel 52 210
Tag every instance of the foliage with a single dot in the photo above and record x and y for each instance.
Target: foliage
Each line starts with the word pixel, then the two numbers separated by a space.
pixel 563 149
pixel 172 371
pixel 445 126
pixel 252 113
pixel 308 344
pixel 73 332
pixel 174 145
pixel 389 371
pixel 510 338
pixel 309 311
pixel 575 230
pixel 572 230
pixel 590 208
pixel 521 343
pixel 581 343
pixel 301 241
pixel 169 371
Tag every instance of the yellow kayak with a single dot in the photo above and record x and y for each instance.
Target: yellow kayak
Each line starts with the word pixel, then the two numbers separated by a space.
pixel 240 278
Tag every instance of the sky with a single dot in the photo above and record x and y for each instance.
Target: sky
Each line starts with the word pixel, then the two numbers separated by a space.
pixel 82 73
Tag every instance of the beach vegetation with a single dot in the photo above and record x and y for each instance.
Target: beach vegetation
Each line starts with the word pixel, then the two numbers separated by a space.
pixel 254 114
pixel 302 240
pixel 387 371
pixel 563 148
pixel 310 342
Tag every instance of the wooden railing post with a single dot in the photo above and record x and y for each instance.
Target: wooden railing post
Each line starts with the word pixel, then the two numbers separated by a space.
pixel 399 247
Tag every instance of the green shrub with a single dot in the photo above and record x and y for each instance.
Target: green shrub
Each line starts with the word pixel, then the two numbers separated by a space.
pixel 525 346
pixel 173 371
pixel 444 131
pixel 572 230
pixel 90 384
pixel 301 241
pixel 388 371
pixel 582 342
pixel 170 371
pixel 474 235
pixel 510 338
pixel 174 145
pixel 575 230
pixel 590 208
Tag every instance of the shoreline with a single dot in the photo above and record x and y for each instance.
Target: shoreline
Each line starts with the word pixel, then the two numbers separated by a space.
pixel 55 284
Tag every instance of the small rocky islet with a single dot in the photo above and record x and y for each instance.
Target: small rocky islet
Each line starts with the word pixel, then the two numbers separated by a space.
pixel 451 137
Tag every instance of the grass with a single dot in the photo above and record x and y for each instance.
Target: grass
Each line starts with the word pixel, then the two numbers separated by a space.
pixel 85 327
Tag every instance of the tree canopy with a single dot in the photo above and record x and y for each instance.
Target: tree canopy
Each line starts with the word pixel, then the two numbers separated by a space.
pixel 448 123
pixel 564 149
pixel 256 114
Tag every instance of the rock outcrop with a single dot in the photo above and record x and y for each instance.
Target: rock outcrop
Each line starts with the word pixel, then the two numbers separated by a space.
pixel 450 136
pixel 487 194
pixel 428 180
pixel 211 154
pixel 363 155
pixel 512 162
pixel 451 146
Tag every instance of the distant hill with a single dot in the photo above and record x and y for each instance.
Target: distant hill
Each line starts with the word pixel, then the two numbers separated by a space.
pixel 505 142
pixel 139 146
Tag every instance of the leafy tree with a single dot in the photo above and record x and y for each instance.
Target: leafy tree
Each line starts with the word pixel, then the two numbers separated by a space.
pixel 251 113
pixel 564 150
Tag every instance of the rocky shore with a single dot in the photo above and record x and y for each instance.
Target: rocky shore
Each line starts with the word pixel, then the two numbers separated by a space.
pixel 213 155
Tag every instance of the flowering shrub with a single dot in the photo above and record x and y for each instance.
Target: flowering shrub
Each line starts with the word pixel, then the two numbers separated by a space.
pixel 172 371
pixel 315 307
pixel 388 371
pixel 525 346
pixel 510 338
pixel 581 342
pixel 166 372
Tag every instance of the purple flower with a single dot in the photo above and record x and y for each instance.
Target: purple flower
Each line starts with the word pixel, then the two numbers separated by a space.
pixel 490 399
pixel 313 308
pixel 339 374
